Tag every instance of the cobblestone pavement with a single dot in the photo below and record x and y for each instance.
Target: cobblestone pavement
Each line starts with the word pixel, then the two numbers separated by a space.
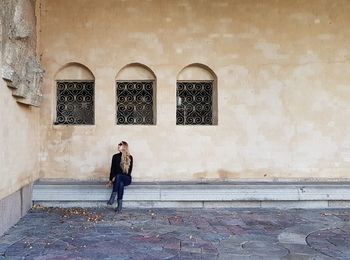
pixel 52 233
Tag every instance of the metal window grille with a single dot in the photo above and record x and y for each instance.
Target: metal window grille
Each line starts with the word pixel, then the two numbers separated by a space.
pixel 135 103
pixel 75 103
pixel 194 103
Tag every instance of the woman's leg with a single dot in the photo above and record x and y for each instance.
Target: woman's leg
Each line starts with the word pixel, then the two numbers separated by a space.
pixel 113 194
pixel 115 185
pixel 111 198
pixel 122 181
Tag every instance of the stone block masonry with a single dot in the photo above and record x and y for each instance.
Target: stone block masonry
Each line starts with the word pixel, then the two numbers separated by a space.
pixel 14 207
pixel 20 69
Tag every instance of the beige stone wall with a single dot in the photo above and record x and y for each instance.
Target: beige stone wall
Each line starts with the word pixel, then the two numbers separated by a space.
pixel 19 139
pixel 283 82
pixel 19 123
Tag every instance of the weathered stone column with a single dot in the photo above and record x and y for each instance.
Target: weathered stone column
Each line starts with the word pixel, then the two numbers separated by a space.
pixel 21 71
pixel 20 67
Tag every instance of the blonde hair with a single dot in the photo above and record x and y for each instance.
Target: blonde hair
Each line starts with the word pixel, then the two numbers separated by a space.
pixel 125 160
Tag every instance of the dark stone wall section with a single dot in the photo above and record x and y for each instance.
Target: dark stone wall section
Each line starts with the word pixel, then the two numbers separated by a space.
pixel 15 206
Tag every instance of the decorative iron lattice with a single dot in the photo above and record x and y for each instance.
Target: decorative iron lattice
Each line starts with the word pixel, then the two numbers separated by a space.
pixel 135 102
pixel 75 103
pixel 194 103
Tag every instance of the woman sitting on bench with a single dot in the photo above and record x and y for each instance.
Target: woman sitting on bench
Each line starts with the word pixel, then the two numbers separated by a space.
pixel 120 175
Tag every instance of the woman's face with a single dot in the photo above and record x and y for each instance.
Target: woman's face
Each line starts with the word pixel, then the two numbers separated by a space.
pixel 120 147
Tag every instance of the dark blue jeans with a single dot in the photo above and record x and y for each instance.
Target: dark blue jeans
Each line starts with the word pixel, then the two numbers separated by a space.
pixel 119 183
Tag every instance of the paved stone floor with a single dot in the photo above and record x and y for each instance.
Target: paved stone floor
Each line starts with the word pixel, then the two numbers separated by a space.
pixel 52 233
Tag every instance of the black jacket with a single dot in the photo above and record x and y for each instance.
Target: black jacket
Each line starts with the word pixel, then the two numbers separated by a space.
pixel 116 168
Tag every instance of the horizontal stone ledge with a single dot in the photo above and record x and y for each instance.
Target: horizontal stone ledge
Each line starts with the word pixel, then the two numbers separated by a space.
pixel 334 182
pixel 195 192
pixel 202 204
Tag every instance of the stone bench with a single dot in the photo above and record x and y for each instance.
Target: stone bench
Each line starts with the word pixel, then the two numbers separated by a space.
pixel 191 194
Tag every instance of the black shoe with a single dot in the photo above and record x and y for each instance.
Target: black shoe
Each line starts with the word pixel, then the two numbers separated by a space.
pixel 112 198
pixel 120 206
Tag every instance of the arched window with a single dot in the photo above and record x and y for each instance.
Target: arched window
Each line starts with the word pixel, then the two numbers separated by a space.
pixel 135 95
pixel 196 95
pixel 75 95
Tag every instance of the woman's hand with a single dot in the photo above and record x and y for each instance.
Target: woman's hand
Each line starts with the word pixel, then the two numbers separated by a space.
pixel 109 184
